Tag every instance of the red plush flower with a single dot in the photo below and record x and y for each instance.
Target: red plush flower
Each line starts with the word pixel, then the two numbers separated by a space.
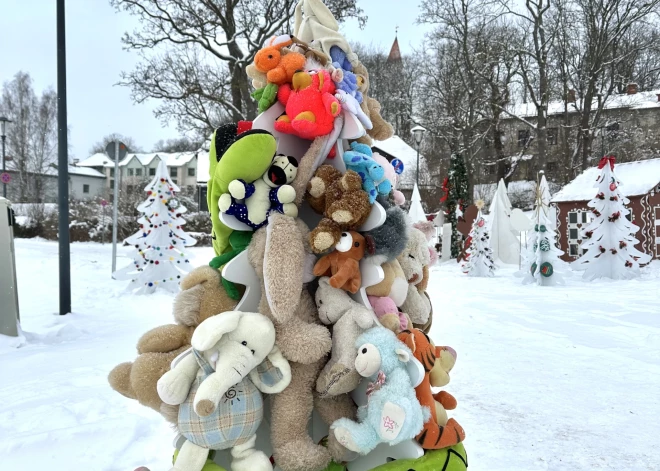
pixel 311 106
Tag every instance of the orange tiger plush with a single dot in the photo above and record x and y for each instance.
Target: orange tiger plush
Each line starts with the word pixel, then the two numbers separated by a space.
pixel 439 432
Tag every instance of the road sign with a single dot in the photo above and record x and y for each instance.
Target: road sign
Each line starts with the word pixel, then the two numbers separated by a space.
pixel 110 150
pixel 5 178
pixel 104 203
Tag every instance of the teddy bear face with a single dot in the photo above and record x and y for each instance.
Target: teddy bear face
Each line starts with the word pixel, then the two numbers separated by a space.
pixel 282 171
pixel 415 257
pixel 352 245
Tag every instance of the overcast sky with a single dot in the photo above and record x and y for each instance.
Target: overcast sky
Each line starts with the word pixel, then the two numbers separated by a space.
pixel 95 57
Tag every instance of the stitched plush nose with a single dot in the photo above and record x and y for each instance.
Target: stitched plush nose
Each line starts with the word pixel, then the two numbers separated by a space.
pixel 301 80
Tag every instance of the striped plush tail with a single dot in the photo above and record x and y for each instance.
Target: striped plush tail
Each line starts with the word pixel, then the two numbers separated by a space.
pixel 435 437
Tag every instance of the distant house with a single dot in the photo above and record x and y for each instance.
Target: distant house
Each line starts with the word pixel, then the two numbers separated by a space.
pixel 640 183
pixel 135 168
pixel 84 183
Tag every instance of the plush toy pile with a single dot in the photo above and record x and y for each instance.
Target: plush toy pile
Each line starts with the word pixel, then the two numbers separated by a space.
pixel 317 295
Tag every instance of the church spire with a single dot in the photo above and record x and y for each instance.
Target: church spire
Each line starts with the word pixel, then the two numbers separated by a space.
pixel 395 52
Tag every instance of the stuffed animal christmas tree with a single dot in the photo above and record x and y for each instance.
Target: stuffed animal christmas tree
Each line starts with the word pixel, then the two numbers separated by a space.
pixel 479 260
pixel 542 259
pixel 159 260
pixel 610 238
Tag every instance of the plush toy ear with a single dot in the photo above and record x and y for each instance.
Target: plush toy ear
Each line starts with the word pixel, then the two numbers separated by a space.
pixel 209 332
pixel 404 356
pixel 278 361
pixel 282 41
pixel 409 340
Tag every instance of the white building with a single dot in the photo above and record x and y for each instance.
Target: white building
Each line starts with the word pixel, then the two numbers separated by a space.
pixel 135 168
pixel 84 183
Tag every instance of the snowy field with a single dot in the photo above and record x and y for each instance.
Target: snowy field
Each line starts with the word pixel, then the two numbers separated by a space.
pixel 564 378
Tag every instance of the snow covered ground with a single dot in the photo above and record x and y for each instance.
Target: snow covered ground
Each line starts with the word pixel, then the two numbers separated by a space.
pixel 564 378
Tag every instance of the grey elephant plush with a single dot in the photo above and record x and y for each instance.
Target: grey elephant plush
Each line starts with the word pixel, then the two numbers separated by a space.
pixel 218 387
pixel 350 319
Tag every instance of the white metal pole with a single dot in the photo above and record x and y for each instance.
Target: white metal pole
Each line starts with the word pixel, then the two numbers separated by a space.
pixel 115 202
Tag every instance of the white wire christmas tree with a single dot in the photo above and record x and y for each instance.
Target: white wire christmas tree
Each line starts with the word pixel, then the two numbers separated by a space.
pixel 542 258
pixel 480 256
pixel 610 238
pixel 159 260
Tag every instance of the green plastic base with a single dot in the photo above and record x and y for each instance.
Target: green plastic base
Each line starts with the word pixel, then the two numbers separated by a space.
pixel 453 458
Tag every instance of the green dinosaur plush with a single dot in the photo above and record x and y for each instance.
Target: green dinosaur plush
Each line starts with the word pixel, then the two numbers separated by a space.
pixel 243 157
pixel 266 96
pixel 238 240
pixel 453 458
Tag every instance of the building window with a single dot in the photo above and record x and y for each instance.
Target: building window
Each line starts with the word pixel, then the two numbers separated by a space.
pixel 191 172
pixel 174 181
pixel 112 172
pixel 577 221
pixel 572 218
pixel 112 184
pixel 585 218
pixel 152 172
pixel 130 172
pixel 85 188
pixel 173 172
pixel 552 136
pixel 551 166
pixel 138 172
pixel 573 250
pixel 573 234
pixel 523 137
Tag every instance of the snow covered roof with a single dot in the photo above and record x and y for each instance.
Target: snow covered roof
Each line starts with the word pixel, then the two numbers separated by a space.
pixel 637 178
pixel 96 160
pixel 398 148
pixel 637 101
pixel 86 172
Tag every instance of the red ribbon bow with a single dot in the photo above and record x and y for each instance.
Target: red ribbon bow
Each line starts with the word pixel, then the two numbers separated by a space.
pixel 445 188
pixel 376 385
pixel 611 159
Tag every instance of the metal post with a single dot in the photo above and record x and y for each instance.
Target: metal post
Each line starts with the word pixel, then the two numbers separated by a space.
pixel 63 165
pixel 115 202
pixel 4 185
pixel 417 177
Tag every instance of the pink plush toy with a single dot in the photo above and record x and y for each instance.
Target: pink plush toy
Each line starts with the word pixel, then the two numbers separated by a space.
pixel 428 229
pixel 389 315
pixel 391 175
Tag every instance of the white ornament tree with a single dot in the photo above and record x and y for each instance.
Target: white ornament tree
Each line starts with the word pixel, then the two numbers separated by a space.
pixel 610 238
pixel 480 256
pixel 542 258
pixel 504 242
pixel 159 260
pixel 416 211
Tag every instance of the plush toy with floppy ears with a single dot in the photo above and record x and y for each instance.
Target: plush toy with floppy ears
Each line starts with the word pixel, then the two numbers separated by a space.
pixel 372 173
pixel 279 68
pixel 349 319
pixel 414 261
pixel 389 315
pixel 342 201
pixel 228 361
pixel 271 192
pixel 311 106
pixel 202 296
pixel 343 265
pixel 393 413
pixel 439 431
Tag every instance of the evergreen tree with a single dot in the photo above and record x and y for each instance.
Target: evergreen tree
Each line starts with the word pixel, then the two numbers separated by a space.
pixel 158 259
pixel 542 258
pixel 610 238
pixel 479 260
pixel 457 200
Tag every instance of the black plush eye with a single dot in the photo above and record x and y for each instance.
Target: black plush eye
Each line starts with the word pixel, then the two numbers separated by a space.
pixel 244 343
pixel 321 302
pixel 252 352
pixel 270 56
pixel 357 244
pixel 364 350
pixel 410 255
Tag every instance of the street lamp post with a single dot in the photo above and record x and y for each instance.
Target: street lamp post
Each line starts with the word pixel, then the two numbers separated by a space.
pixel 418 135
pixel 3 135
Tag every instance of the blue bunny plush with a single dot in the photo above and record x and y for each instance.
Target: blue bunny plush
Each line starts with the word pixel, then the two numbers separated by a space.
pixel 359 159
pixel 349 82
pixel 393 414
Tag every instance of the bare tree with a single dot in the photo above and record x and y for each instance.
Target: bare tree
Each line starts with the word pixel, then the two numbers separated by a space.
pixel 99 147
pixel 180 144
pixel 195 52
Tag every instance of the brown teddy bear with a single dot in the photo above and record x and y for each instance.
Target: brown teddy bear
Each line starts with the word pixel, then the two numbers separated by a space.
pixel 381 129
pixel 343 202
pixel 343 265
pixel 202 296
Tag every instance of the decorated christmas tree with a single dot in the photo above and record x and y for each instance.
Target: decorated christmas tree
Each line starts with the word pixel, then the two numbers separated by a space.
pixel 542 258
pixel 158 260
pixel 479 259
pixel 610 238
pixel 457 199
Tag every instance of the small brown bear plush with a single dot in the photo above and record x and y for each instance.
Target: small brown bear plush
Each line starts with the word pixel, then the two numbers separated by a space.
pixel 343 264
pixel 343 202
pixel 202 296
